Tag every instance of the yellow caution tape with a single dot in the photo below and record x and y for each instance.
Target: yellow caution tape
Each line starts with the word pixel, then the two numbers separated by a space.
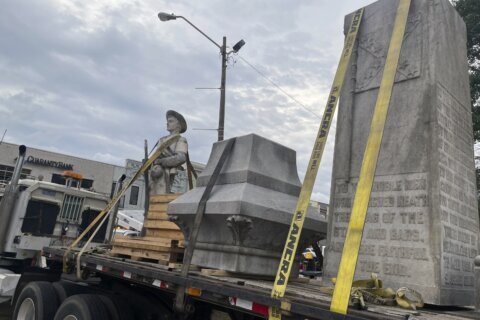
pixel 296 226
pixel 341 294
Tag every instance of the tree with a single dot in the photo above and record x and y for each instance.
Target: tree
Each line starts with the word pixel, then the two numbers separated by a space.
pixel 470 12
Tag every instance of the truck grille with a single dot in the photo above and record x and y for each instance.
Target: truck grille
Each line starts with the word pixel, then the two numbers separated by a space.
pixel 71 208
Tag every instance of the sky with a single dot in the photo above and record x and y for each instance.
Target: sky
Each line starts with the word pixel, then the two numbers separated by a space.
pixel 94 79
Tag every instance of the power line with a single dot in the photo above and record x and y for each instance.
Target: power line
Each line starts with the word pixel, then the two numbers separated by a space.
pixel 278 87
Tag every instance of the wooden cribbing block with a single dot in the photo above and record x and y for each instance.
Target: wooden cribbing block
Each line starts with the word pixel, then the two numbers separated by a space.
pixel 157 215
pixel 161 224
pixel 161 207
pixel 164 198
pixel 170 234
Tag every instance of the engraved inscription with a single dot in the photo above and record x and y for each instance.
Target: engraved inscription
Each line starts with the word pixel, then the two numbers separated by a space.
pixel 396 269
pixel 369 266
pixel 394 237
pixel 457 198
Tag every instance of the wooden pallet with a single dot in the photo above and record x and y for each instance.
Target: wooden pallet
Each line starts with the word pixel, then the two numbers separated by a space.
pixel 162 251
pixel 164 241
pixel 150 243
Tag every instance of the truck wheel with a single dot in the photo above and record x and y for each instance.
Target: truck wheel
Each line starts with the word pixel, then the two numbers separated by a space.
pixel 37 301
pixel 118 308
pixel 83 307
pixel 66 289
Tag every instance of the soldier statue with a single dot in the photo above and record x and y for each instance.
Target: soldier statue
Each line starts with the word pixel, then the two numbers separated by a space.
pixel 165 167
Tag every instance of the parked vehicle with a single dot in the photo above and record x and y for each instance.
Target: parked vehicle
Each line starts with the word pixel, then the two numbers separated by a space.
pixel 37 214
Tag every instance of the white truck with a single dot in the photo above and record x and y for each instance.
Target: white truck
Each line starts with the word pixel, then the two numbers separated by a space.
pixel 36 214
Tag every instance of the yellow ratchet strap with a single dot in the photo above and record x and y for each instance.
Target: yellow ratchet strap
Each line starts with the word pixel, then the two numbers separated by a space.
pixel 346 271
pixel 298 218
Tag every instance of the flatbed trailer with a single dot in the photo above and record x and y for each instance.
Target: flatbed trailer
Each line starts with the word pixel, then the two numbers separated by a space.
pixel 226 295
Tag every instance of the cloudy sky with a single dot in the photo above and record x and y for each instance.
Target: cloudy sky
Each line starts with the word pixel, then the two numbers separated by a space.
pixel 94 78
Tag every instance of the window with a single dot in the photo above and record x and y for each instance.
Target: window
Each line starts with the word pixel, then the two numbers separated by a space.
pixel 40 218
pixel 87 183
pixel 113 190
pixel 60 179
pixel 6 173
pixel 134 195
pixel 71 208
pixel 87 218
pixel 122 202
pixel 323 211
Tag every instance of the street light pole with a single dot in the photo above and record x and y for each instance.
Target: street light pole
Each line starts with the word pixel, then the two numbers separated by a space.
pixel 221 115
pixel 223 51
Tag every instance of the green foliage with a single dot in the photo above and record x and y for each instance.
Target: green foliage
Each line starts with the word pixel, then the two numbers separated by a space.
pixel 470 12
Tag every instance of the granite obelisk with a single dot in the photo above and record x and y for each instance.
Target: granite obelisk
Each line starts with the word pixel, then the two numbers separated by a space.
pixel 422 224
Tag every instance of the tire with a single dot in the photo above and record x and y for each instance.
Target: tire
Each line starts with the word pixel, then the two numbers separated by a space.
pixel 83 307
pixel 37 301
pixel 66 289
pixel 118 308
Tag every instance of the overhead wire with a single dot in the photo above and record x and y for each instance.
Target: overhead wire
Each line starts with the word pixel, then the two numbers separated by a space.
pixel 277 86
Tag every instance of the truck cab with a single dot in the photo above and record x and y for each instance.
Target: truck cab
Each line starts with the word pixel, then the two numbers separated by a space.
pixel 49 214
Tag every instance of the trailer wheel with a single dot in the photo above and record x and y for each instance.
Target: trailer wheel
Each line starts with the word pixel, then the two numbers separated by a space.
pixel 118 309
pixel 67 289
pixel 83 307
pixel 37 301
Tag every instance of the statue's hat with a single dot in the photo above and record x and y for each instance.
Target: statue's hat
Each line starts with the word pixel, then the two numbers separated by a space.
pixel 180 118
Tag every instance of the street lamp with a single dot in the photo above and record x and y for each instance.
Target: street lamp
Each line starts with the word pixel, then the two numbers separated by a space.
pixel 223 51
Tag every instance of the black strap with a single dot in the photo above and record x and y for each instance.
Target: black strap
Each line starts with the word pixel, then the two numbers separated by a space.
pixel 187 258
pixel 190 171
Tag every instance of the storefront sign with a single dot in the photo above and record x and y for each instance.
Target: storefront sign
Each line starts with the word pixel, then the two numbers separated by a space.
pixel 49 163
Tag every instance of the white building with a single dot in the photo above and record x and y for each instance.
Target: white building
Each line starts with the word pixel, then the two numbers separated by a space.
pixel 97 176
pixel 49 166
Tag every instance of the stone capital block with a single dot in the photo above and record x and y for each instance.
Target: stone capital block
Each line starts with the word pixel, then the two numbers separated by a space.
pixel 248 213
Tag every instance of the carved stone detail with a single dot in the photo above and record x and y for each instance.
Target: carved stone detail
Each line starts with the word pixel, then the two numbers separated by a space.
pixel 184 227
pixel 372 54
pixel 240 226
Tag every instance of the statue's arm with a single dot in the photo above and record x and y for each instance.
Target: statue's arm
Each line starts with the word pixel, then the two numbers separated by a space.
pixel 176 160
pixel 178 157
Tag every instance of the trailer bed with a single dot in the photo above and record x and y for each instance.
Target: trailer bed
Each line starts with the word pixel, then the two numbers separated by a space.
pixel 306 299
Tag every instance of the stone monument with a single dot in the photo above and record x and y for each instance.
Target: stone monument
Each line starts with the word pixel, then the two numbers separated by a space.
pixel 249 211
pixel 422 225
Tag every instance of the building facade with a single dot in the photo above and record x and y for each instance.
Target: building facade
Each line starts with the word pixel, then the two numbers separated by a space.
pixel 97 176
pixel 50 166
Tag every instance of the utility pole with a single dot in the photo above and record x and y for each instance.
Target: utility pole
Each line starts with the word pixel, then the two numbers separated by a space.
pixel 221 116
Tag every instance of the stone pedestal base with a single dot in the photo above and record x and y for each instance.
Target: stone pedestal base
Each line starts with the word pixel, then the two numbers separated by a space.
pixel 249 211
